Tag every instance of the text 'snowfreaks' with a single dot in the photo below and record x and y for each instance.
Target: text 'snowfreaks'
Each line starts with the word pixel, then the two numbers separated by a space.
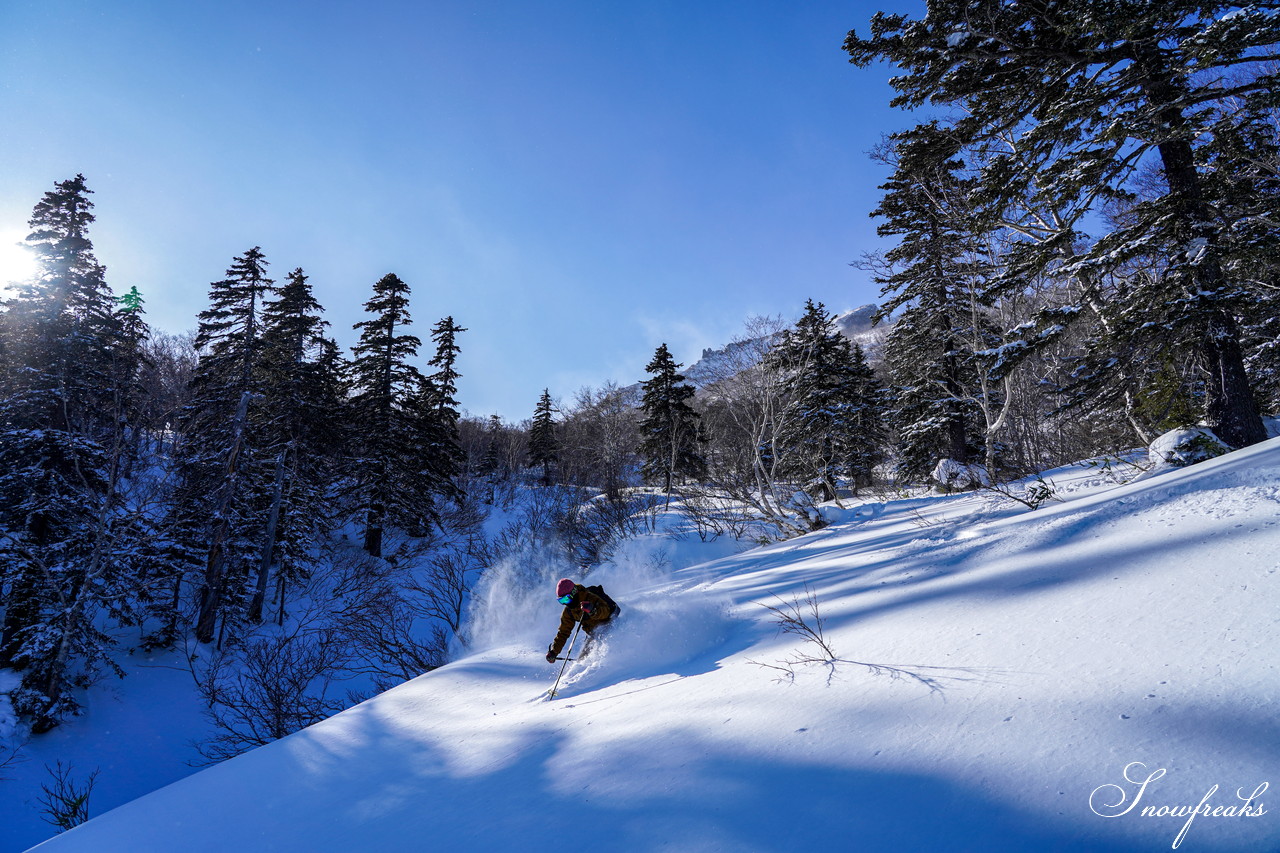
pixel 1113 800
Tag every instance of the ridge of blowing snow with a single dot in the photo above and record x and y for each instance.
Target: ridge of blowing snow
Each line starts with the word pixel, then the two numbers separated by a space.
pixel 1005 680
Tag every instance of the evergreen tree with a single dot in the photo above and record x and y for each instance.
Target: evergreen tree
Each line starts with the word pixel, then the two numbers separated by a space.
pixel 216 516
pixel 59 326
pixel 130 360
pixel 863 420
pixel 1241 161
pixel 491 462
pixel 389 453
pixel 230 333
pixel 65 559
pixel 544 448
pixel 935 273
pixel 836 430
pixel 444 456
pixel 298 431
pixel 1089 90
pixel 300 374
pixel 669 442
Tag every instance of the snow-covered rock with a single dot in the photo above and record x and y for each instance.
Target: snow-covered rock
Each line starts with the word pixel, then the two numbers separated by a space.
pixel 958 476
pixel 1186 446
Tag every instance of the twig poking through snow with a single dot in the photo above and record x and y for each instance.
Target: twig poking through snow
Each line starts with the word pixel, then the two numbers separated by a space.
pixel 801 617
pixel 64 802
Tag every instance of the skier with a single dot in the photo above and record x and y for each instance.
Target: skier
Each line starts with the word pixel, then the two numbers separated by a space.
pixel 581 605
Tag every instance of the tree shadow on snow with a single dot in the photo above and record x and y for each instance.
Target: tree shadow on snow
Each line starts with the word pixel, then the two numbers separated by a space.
pixel 665 790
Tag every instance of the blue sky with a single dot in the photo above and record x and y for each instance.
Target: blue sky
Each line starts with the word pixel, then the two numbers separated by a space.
pixel 574 182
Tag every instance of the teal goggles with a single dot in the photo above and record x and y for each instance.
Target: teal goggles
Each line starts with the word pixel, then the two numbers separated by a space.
pixel 566 599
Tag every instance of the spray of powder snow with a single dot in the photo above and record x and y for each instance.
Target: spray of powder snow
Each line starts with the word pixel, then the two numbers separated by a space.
pixel 513 599
pixel 662 626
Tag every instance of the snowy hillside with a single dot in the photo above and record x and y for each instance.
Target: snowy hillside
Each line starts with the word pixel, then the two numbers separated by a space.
pixel 1000 672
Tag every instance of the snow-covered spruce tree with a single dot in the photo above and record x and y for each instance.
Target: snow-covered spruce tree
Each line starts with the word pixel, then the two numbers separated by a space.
pixel 865 420
pixel 386 444
pixel 932 280
pixel 217 523
pixel 837 432
pixel 298 428
pixel 129 361
pixel 490 464
pixel 60 325
pixel 65 550
pixel 1159 372
pixel 438 409
pixel 544 447
pixel 1089 90
pixel 669 440
pixel 1242 176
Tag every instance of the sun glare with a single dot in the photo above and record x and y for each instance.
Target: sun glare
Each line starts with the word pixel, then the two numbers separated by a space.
pixel 17 264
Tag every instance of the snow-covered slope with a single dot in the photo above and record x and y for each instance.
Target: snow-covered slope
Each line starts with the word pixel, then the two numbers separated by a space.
pixel 1039 658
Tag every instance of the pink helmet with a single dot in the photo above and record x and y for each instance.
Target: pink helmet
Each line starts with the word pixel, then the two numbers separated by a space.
pixel 564 587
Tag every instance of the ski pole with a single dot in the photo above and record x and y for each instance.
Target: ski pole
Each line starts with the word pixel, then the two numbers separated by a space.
pixel 569 652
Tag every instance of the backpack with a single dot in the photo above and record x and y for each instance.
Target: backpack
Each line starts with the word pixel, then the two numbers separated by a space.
pixel 613 605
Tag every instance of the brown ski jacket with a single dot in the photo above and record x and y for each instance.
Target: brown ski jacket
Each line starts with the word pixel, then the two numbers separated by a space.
pixel 586 607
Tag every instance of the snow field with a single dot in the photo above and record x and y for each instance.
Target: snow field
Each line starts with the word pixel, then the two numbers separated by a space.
pixel 1128 624
pixel 137 732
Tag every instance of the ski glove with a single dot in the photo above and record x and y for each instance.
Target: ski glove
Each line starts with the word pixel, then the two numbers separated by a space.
pixel 551 656
pixel 588 607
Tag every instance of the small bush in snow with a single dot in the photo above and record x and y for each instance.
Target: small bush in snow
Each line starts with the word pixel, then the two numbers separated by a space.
pixel 64 802
pixel 1031 495
pixel 1186 446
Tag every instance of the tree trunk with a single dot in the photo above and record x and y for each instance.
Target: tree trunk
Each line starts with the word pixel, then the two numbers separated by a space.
pixel 1231 410
pixel 1230 407
pixel 211 592
pixel 957 435
pixel 268 541
pixel 373 529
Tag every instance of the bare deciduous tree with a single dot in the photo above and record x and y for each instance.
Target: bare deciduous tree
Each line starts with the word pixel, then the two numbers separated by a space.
pixel 267 688
pixel 746 408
